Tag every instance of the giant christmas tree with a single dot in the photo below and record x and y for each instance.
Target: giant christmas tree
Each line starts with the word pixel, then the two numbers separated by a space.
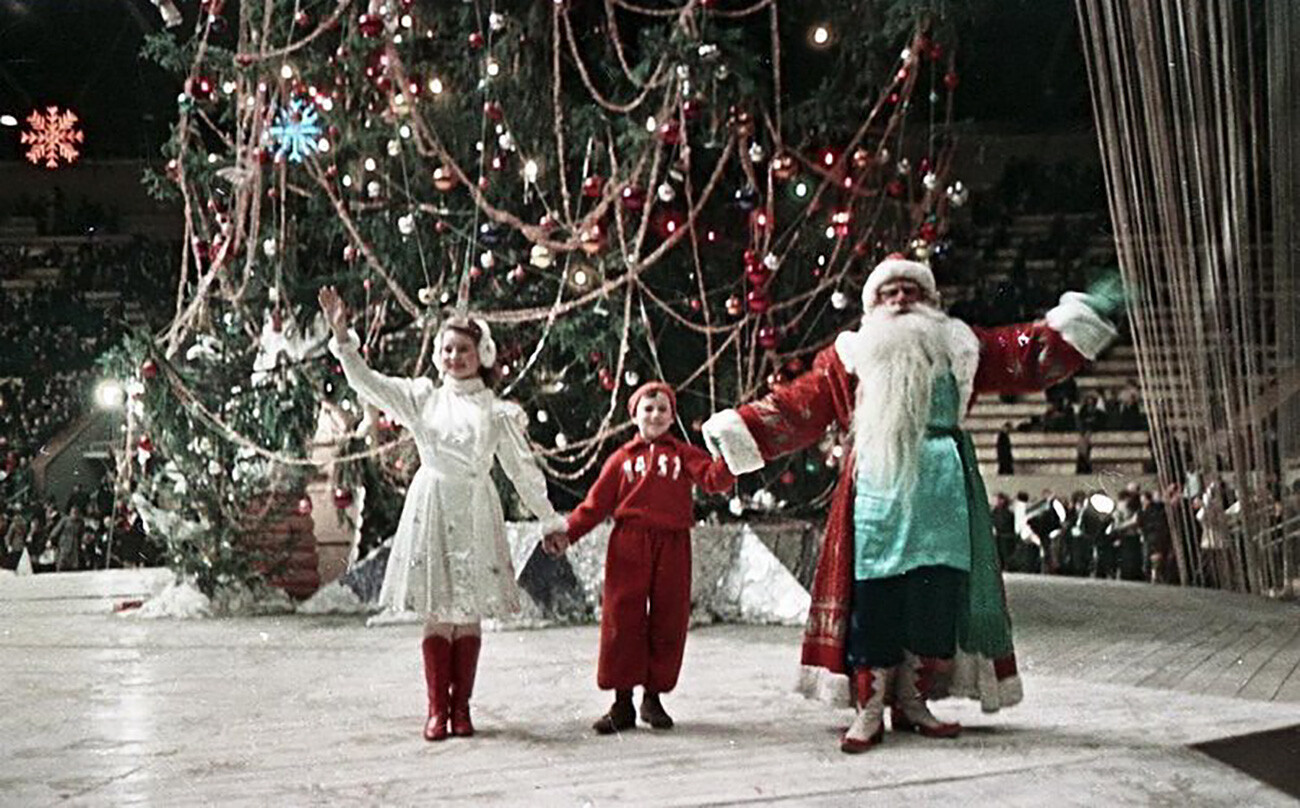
pixel 624 190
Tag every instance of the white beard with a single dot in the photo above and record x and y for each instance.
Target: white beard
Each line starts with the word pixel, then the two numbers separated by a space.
pixel 896 358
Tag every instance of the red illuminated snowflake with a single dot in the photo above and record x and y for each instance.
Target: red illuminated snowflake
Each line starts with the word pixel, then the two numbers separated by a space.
pixel 52 137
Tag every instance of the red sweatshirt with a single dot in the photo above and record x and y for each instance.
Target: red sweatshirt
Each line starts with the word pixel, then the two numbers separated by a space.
pixel 649 485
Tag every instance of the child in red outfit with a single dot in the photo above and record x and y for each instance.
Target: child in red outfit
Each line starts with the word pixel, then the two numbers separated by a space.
pixel 646 487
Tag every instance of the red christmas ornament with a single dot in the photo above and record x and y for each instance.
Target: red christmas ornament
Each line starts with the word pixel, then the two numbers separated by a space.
pixel 757 274
pixel 783 167
pixel 768 337
pixel 592 186
pixel 493 111
pixel 596 357
pixel 302 19
pixel 377 65
pixel 303 507
pixel 951 80
pixel 742 123
pixel 476 40
pixel 936 51
pixel 787 477
pixel 895 188
pixel 342 498
pixel 606 379
pixel 670 132
pixel 199 88
pixel 692 109
pixel 145 444
pixel 757 301
pixel 444 179
pixel 149 369
pixel 928 232
pixel 634 197
pixel 371 25
pixel 592 239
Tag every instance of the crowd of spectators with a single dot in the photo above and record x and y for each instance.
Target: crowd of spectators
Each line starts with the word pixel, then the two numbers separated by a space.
pixel 1130 536
pixel 53 327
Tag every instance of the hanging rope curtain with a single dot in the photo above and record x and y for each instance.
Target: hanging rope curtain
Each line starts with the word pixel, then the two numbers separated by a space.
pixel 1180 101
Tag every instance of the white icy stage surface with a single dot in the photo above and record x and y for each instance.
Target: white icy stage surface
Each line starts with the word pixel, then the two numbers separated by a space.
pixel 302 710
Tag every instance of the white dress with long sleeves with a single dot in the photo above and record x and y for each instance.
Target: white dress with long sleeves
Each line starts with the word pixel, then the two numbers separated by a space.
pixel 450 558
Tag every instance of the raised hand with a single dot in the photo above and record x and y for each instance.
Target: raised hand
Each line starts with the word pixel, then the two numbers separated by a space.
pixel 335 311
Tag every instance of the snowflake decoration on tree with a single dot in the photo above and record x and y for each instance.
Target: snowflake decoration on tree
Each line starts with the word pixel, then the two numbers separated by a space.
pixel 296 131
pixel 52 137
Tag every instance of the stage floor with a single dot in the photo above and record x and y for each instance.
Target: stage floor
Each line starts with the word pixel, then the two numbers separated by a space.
pixel 1120 679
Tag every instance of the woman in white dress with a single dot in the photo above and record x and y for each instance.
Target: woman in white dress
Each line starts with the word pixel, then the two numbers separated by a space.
pixel 450 559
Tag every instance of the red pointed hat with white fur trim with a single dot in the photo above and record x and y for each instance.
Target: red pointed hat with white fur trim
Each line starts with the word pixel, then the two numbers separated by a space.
pixel 894 268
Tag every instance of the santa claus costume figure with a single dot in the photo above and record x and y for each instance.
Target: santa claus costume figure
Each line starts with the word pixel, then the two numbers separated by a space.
pixel 907 600
pixel 450 560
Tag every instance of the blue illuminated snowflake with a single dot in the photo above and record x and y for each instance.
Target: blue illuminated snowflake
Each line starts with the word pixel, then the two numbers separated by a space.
pixel 296 131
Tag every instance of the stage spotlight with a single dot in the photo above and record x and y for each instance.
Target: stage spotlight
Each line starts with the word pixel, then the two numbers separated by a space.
pixel 109 394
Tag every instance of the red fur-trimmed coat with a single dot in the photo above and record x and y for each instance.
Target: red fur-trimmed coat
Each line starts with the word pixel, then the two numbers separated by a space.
pixel 1009 359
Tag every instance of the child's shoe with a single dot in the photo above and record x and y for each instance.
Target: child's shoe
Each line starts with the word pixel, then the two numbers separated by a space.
pixel 653 713
pixel 621 716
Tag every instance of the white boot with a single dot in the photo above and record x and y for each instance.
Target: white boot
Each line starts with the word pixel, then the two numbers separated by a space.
pixel 868 728
pixel 910 713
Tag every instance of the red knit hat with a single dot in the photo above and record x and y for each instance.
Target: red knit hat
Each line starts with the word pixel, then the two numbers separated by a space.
pixel 651 388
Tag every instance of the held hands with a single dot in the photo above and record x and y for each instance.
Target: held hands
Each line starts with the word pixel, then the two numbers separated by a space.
pixel 335 311
pixel 555 543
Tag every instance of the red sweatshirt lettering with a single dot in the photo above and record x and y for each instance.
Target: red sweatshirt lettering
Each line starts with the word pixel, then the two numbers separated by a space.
pixel 648 484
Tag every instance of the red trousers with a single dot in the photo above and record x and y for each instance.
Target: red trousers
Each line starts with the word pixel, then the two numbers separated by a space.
pixel 646 609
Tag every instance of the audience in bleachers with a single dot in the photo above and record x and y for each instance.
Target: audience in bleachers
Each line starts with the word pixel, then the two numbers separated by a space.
pixel 61 306
pixel 1129 535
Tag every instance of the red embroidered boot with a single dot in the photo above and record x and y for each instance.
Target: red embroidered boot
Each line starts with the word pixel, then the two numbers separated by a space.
pixel 464 666
pixel 437 678
pixel 868 728
pixel 910 712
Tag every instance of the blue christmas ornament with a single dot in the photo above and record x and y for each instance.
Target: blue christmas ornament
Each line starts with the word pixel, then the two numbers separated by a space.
pixel 296 131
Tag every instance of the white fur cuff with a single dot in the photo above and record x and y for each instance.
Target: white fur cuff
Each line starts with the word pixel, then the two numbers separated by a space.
pixel 353 344
pixel 554 524
pixel 725 433
pixel 1082 327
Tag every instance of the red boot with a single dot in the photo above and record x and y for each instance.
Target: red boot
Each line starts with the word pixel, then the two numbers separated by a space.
pixel 912 687
pixel 868 728
pixel 464 665
pixel 437 678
